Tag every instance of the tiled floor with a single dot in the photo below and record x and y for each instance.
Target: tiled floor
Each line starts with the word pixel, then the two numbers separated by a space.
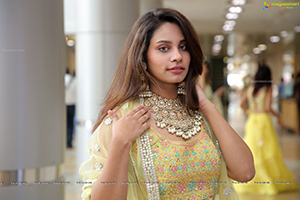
pixel 290 144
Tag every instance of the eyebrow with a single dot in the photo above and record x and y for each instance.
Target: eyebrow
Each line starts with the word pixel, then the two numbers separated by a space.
pixel 168 42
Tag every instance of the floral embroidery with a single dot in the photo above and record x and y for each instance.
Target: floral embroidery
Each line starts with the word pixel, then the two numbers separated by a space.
pixel 162 189
pixel 191 186
pixel 226 192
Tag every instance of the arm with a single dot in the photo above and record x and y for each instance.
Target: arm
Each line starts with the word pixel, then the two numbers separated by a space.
pixel 125 130
pixel 236 153
pixel 219 92
pixel 243 101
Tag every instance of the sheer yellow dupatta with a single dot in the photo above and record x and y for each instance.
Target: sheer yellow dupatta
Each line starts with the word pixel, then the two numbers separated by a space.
pixel 98 146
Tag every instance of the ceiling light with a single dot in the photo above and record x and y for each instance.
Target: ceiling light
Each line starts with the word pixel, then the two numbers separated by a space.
pixel 70 43
pixel 230 22
pixel 235 9
pixel 262 47
pixel 297 29
pixel 230 66
pixel 283 33
pixel 256 50
pixel 227 28
pixel 238 2
pixel 232 16
pixel 274 39
pixel 219 38
pixel 216 47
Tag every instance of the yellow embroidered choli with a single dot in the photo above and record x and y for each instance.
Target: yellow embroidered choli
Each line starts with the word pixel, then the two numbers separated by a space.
pixel 185 169
pixel 163 169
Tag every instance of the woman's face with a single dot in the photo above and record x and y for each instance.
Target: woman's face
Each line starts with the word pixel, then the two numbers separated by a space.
pixel 168 56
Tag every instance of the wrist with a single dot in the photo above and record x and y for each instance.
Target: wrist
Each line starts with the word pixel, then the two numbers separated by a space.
pixel 120 143
pixel 207 107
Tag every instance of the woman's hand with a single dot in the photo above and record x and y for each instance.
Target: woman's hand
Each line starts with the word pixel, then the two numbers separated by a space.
pixel 129 127
pixel 220 91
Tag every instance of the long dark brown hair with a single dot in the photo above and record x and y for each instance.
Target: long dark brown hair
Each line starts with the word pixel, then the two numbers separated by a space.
pixel 126 84
pixel 263 77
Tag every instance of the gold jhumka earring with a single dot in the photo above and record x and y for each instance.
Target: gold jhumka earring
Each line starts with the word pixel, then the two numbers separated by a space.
pixel 145 90
pixel 181 88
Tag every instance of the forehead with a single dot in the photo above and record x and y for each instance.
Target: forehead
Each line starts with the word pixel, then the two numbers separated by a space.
pixel 168 31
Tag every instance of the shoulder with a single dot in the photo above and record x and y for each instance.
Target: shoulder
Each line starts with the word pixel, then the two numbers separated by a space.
pixel 127 106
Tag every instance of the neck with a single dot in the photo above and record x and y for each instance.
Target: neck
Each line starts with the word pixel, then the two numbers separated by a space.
pixel 167 91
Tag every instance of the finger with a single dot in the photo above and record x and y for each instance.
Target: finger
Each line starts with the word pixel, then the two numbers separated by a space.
pixel 144 118
pixel 141 112
pixel 113 115
pixel 135 110
pixel 145 126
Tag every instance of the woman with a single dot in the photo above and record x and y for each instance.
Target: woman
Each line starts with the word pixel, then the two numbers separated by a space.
pixel 151 141
pixel 205 82
pixel 272 175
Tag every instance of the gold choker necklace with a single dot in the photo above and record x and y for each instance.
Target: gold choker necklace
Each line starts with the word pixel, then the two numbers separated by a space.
pixel 173 116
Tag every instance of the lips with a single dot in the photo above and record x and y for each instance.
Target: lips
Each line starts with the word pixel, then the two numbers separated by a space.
pixel 176 69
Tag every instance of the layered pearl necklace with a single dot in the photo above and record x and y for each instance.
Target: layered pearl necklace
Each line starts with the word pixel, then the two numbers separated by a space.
pixel 173 116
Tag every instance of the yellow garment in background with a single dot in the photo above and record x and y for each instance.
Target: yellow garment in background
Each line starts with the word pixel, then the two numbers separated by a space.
pixel 272 175
pixel 99 144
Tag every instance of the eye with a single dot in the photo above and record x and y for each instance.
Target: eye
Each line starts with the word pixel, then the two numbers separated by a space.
pixel 183 47
pixel 163 48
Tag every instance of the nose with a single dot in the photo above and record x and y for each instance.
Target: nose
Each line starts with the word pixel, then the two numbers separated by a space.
pixel 176 55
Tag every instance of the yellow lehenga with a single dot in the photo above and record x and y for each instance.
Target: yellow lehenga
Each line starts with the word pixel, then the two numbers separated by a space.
pixel 272 175
pixel 163 169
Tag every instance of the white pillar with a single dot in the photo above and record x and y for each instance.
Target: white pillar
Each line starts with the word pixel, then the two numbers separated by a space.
pixel 32 110
pixel 147 5
pixel 102 27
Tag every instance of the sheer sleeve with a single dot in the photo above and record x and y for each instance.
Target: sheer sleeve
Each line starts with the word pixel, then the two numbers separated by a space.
pixel 97 148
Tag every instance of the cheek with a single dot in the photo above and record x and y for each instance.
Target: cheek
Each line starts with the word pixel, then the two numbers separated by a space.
pixel 151 58
pixel 188 59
